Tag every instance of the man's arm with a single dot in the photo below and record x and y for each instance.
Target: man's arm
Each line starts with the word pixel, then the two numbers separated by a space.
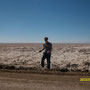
pixel 41 50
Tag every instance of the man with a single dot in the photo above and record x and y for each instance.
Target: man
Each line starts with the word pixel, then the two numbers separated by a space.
pixel 47 47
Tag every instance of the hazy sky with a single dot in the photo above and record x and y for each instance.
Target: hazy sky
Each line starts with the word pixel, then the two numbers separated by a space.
pixel 66 21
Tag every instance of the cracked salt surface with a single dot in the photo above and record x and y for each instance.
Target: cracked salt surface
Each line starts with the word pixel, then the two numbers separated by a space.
pixel 70 56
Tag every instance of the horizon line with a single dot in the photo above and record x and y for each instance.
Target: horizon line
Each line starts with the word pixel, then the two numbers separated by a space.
pixel 42 42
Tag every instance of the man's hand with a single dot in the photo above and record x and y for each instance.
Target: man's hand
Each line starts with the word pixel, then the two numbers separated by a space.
pixel 40 51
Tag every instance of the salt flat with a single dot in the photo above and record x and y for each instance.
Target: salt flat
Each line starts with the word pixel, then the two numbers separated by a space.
pixel 74 57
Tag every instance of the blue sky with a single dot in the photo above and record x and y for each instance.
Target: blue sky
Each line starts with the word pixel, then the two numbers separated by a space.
pixel 63 21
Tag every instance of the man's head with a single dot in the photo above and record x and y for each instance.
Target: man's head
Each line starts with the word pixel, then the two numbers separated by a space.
pixel 46 39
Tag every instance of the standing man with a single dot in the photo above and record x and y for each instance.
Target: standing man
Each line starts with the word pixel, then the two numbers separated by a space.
pixel 47 47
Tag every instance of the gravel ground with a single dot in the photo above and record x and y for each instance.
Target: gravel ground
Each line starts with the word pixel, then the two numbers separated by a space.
pixel 28 81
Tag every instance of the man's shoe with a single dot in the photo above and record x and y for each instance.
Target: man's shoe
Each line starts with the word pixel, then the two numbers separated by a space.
pixel 42 69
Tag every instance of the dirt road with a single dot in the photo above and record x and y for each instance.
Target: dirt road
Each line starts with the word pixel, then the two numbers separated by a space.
pixel 28 81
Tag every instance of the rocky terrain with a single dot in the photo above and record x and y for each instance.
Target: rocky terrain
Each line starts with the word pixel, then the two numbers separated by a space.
pixel 65 57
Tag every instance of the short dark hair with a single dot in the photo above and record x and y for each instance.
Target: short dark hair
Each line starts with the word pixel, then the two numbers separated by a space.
pixel 46 38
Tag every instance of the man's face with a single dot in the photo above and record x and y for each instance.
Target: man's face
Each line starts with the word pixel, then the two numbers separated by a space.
pixel 45 40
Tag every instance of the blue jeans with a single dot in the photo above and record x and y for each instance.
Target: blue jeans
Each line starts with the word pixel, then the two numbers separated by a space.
pixel 48 57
